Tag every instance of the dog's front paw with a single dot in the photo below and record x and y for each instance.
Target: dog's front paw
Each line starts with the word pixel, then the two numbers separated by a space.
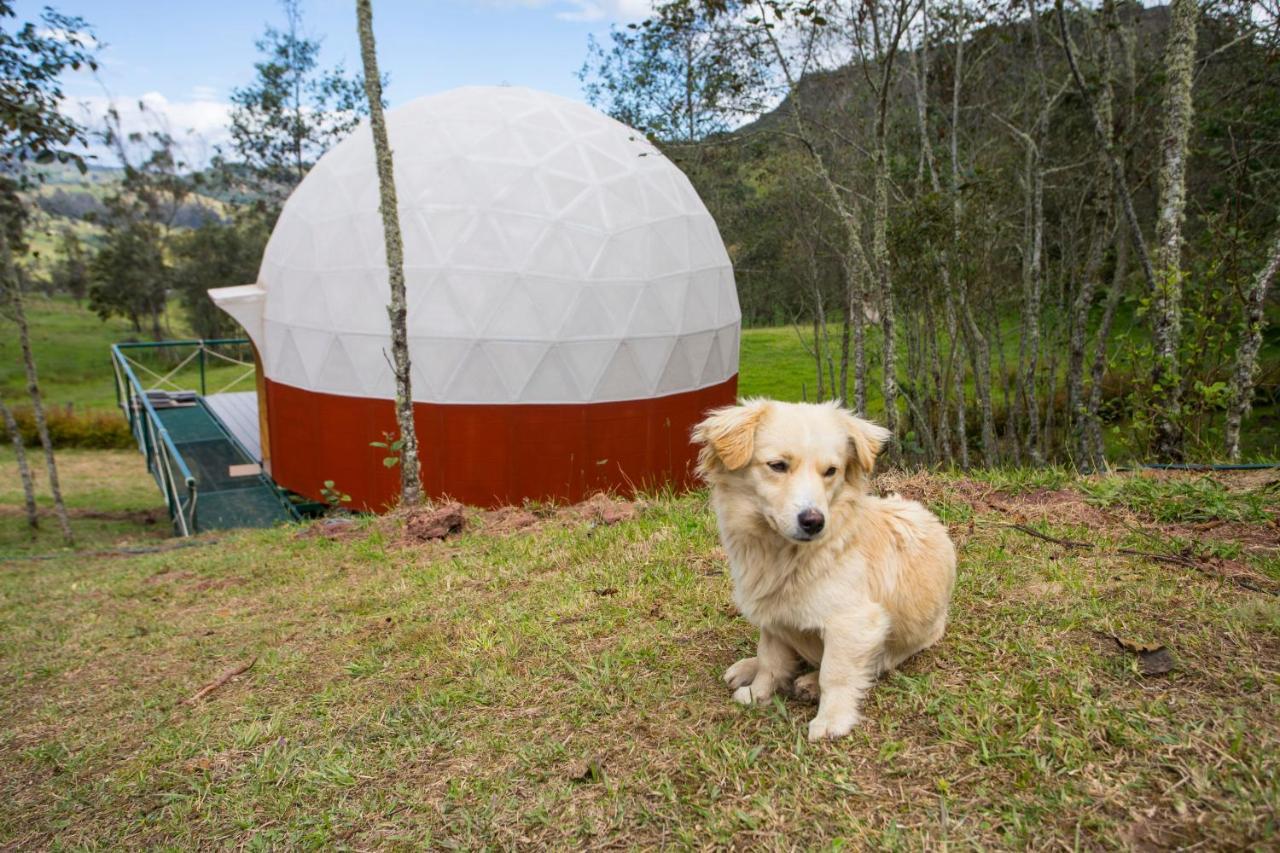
pixel 831 726
pixel 741 673
pixel 805 687
pixel 743 695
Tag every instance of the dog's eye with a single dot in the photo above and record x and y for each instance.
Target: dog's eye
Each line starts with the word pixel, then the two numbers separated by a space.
pixel 779 466
pixel 830 472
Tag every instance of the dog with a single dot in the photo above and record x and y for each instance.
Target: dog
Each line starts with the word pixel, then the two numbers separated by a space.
pixel 850 583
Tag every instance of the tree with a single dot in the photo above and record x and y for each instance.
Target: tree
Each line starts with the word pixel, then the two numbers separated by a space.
pixel 1246 367
pixel 397 312
pixel 678 76
pixel 292 112
pixel 24 468
pixel 131 276
pixel 1166 378
pixel 70 272
pixel 32 58
pixel 216 254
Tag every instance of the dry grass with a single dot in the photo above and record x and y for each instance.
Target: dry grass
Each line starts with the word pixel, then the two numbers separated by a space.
pixel 555 682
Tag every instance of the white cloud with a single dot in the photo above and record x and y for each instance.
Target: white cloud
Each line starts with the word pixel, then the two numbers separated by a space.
pixel 86 41
pixel 196 125
pixel 583 11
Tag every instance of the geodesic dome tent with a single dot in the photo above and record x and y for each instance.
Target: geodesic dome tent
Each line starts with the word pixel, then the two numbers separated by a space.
pixel 571 307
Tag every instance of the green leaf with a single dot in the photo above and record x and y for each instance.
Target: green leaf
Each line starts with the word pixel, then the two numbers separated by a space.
pixel 391 461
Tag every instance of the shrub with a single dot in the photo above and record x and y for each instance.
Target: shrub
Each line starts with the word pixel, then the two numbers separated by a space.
pixel 68 427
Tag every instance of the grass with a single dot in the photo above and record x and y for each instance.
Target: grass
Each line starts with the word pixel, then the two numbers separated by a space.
pixel 559 686
pixel 109 495
pixel 72 346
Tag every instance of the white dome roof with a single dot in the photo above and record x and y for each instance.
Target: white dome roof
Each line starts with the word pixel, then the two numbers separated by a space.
pixel 552 255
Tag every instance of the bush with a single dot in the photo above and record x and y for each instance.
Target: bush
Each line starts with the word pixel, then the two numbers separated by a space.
pixel 93 429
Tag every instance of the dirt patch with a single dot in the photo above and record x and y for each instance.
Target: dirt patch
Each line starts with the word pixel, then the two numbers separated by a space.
pixel 506 520
pixel 603 509
pixel 426 524
pixel 338 528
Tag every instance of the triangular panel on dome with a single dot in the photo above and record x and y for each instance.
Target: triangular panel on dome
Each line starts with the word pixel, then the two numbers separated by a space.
pixel 417 237
pixel 435 310
pixel 289 366
pixel 658 199
pixel 623 207
pixel 369 356
pixel 587 361
pixel 706 249
pixel 440 359
pixel 519 317
pixel 604 166
pixel 677 374
pixel 447 226
pixel 660 307
pixel 587 318
pixel 562 254
pixel 524 195
pixel 483 245
pixel 697 348
pixel 313 346
pixel 624 256
pixel 478 294
pixel 477 379
pixel 714 371
pixel 619 300
pixel 702 302
pixel 727 310
pixel 293 247
pixel 727 344
pixel 569 161
pixel 668 250
pixel 552 298
pixel 622 379
pixel 516 362
pixel 337 373
pixel 300 300
pixel 357 299
pixel 652 355
pixel 552 381
pixel 587 210
pixel 535 143
pixel 559 191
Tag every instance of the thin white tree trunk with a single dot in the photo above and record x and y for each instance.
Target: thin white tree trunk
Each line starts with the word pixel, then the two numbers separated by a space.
pixel 1246 369
pixel 13 280
pixel 24 469
pixel 1166 309
pixel 397 312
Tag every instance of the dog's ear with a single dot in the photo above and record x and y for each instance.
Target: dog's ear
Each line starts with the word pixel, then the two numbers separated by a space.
pixel 728 435
pixel 866 439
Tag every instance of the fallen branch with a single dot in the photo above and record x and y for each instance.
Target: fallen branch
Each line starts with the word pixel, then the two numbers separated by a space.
pixel 1173 559
pixel 219 681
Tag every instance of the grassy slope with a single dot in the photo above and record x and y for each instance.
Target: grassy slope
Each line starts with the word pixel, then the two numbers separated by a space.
pixel 72 346
pixel 560 686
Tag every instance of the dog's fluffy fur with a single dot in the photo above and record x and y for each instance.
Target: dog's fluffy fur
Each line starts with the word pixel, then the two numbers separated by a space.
pixel 853 599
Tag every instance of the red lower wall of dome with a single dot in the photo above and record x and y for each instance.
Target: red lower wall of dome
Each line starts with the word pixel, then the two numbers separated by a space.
pixel 486 455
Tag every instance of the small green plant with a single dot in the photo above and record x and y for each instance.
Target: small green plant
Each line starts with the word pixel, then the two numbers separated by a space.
pixel 333 496
pixel 393 446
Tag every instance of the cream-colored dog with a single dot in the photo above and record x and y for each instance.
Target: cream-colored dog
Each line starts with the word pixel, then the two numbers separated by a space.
pixel 851 583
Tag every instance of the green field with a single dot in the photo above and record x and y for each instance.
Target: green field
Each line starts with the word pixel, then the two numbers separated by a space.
pixel 557 685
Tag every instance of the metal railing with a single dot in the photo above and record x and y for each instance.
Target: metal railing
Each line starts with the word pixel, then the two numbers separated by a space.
pixel 201 351
pixel 163 460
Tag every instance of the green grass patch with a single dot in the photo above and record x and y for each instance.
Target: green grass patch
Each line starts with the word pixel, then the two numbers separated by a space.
pixel 559 687
pixel 1183 499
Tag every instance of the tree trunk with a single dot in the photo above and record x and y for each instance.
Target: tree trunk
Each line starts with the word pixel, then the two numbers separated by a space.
pixel 1166 308
pixel 14 282
pixel 1095 451
pixel 1246 368
pixel 24 469
pixel 410 477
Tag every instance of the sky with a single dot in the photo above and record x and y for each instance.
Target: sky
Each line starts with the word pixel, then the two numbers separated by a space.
pixel 185 58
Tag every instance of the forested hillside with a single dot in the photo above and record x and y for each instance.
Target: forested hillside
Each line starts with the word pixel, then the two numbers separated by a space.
pixel 1053 263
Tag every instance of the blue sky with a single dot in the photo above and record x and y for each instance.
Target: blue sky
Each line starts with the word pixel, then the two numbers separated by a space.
pixel 184 58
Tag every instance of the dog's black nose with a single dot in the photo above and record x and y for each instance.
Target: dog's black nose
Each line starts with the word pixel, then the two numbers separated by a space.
pixel 811 521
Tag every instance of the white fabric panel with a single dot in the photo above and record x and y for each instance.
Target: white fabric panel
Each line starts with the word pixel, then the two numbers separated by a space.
pixel 551 254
